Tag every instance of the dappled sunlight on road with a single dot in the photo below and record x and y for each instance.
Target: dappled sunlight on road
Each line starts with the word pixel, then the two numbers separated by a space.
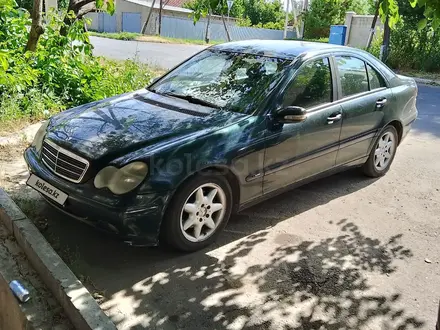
pixel 254 283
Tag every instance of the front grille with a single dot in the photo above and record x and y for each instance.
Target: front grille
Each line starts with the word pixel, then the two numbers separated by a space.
pixel 63 162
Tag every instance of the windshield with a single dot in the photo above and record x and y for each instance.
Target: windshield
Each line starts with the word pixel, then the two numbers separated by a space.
pixel 230 81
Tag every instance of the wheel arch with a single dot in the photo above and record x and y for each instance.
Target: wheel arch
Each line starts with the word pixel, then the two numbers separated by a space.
pixel 399 128
pixel 397 124
pixel 222 170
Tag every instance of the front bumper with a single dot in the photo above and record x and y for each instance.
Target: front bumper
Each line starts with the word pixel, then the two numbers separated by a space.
pixel 134 218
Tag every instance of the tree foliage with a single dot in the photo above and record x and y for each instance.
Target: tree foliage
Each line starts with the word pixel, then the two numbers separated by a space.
pixel 415 40
pixel 259 13
pixel 61 72
pixel 430 8
pixel 323 13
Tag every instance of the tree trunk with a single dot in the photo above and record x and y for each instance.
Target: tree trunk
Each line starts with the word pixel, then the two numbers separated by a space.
pixel 36 26
pixel 373 26
pixel 80 8
pixel 144 27
pixel 226 28
pixel 207 27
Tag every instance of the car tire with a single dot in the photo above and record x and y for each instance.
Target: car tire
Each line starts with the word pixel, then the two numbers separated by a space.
pixel 382 154
pixel 192 222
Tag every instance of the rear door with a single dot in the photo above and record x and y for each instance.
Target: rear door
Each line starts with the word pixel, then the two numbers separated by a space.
pixel 364 96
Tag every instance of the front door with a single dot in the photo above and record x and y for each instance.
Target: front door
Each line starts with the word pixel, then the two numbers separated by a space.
pixel 364 97
pixel 299 150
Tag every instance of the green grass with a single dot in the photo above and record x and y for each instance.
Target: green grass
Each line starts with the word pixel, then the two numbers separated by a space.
pixel 18 110
pixel 118 35
pixel 150 38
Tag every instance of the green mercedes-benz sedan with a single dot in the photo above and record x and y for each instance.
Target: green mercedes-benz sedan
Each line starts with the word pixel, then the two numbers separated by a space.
pixel 233 125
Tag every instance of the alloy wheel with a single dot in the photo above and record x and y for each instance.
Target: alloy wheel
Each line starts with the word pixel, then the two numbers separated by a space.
pixel 202 212
pixel 384 151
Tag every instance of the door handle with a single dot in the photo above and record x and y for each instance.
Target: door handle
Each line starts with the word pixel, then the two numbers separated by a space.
pixel 381 103
pixel 332 119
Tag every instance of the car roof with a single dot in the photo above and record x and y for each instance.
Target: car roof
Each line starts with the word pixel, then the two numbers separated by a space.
pixel 286 49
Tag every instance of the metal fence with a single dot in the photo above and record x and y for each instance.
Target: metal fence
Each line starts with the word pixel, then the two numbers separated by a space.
pixel 180 27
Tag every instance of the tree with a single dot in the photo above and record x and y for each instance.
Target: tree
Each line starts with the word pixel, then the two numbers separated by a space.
pixel 430 8
pixel 36 27
pixel 201 8
pixel 261 13
pixel 323 13
pixel 82 7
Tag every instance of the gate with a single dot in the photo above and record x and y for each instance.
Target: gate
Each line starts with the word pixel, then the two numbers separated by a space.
pixel 106 23
pixel 131 22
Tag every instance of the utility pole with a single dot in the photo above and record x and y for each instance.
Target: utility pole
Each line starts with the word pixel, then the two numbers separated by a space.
pixel 228 36
pixel 295 20
pixel 373 25
pixel 386 41
pixel 286 21
pixel 148 18
pixel 160 16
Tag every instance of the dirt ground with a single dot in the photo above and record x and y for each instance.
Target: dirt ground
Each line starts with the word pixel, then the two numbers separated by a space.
pixel 46 312
pixel 345 252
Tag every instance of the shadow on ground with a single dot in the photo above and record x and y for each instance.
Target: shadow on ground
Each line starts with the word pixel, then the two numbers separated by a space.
pixel 296 284
pixel 310 285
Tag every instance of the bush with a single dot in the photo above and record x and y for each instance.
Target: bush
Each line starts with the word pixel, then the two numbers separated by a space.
pixel 324 13
pixel 414 49
pixel 61 73
pixel 118 77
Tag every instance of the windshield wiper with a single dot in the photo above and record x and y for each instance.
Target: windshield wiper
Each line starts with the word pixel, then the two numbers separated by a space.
pixel 192 99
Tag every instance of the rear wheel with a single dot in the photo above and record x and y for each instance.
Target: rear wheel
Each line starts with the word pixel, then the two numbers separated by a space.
pixel 198 212
pixel 382 154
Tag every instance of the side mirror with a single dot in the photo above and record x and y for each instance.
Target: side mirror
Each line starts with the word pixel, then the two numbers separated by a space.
pixel 291 114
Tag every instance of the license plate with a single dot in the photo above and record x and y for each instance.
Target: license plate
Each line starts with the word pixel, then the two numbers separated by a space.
pixel 47 189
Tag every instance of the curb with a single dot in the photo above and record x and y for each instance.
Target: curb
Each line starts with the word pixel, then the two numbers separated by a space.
pixel 77 302
pixel 427 81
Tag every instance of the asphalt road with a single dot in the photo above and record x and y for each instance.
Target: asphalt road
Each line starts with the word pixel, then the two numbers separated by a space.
pixel 157 54
pixel 345 252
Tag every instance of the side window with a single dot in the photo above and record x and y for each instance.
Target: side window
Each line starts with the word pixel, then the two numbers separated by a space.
pixel 312 85
pixel 353 75
pixel 375 79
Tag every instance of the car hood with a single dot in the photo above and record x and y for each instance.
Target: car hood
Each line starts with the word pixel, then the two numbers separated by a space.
pixel 118 125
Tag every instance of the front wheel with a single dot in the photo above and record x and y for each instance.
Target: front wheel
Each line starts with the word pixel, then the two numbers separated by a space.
pixel 198 212
pixel 382 154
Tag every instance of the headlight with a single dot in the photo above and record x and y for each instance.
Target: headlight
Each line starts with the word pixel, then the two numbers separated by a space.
pixel 121 180
pixel 39 137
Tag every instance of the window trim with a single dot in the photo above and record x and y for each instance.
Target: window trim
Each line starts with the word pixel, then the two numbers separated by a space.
pixel 339 86
pixel 368 76
pixel 334 93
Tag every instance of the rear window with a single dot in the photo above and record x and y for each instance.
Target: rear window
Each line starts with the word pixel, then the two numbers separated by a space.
pixel 375 79
pixel 384 69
